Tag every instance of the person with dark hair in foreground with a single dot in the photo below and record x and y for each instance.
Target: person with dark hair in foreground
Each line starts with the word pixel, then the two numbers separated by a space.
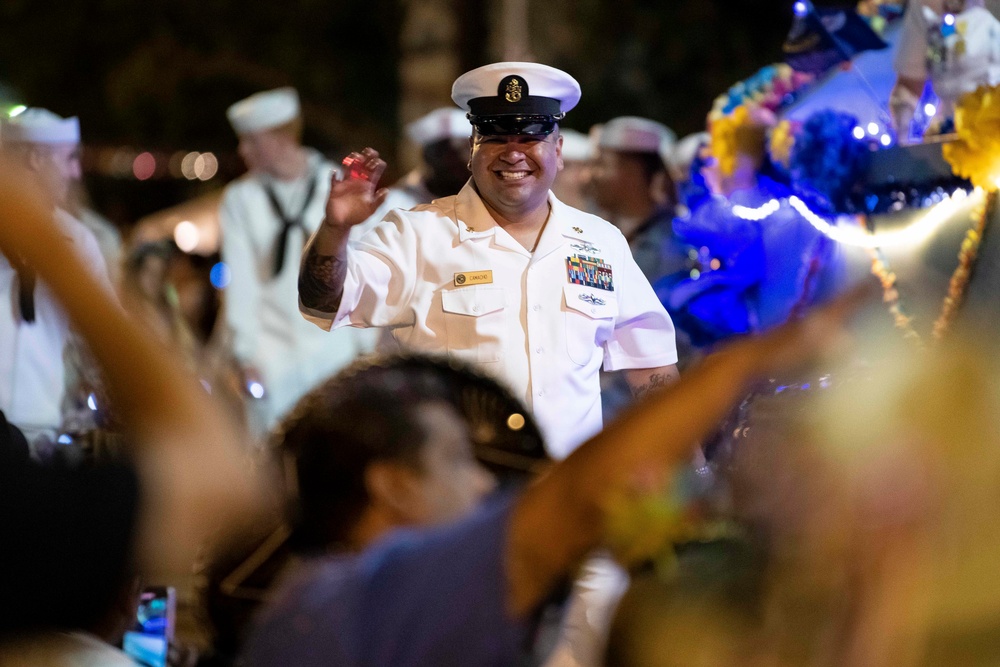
pixel 387 443
pixel 467 593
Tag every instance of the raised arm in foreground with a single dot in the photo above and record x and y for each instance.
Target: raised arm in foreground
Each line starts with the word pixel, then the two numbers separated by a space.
pixel 561 517
pixel 195 479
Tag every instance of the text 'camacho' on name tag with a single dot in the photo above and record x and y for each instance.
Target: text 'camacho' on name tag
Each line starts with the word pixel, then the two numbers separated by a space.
pixel 473 278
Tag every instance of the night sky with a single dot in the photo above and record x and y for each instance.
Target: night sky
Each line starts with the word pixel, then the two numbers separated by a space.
pixel 158 75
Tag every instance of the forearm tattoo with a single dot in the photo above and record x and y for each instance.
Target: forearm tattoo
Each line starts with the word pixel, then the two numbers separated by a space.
pixel 656 381
pixel 321 281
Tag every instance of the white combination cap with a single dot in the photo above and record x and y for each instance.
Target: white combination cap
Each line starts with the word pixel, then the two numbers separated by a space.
pixel 443 123
pixel 264 110
pixel 41 126
pixel 515 90
pixel 577 146
pixel 637 135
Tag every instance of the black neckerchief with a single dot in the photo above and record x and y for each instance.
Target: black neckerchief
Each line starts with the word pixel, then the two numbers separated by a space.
pixel 287 223
pixel 25 290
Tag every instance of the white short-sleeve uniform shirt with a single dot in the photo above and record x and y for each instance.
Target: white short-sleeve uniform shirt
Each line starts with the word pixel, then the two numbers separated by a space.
pixel 445 278
pixel 32 370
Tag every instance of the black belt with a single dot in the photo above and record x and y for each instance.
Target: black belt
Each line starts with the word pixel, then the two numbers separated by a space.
pixel 281 244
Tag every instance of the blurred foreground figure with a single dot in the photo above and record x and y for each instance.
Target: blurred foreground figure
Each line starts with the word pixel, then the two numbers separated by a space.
pixel 467 593
pixel 860 537
pixel 388 443
pixel 75 537
pixel 34 332
pixel 266 217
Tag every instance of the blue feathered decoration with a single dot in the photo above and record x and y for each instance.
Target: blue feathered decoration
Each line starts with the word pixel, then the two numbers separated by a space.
pixel 827 164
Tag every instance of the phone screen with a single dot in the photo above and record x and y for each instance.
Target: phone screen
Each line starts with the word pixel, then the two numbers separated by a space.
pixel 148 640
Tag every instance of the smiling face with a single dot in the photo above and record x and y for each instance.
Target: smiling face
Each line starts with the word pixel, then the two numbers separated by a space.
pixel 513 173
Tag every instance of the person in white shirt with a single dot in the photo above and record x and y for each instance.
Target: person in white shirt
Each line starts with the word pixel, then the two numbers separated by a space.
pixel 266 217
pixel 34 332
pixel 503 275
pixel 955 44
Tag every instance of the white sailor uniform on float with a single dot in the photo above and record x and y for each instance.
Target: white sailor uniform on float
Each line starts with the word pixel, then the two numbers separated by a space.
pixel 265 223
pixel 34 332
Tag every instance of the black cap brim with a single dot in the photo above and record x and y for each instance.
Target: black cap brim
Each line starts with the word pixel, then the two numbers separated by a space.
pixel 505 125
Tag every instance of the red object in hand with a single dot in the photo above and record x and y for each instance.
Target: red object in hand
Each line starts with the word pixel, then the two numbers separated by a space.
pixel 355 168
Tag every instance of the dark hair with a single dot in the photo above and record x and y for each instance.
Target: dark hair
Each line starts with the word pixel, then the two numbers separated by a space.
pixel 370 412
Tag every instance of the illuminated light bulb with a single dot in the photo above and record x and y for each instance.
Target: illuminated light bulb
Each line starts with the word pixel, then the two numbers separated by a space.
pixel 873 128
pixel 859 132
pixel 187 165
pixel 256 389
pixel 186 235
pixel 885 140
pixel 144 166
pixel 949 19
pixel 206 166
pixel 800 8
pixel 220 275
pixel 929 109
pixel 758 213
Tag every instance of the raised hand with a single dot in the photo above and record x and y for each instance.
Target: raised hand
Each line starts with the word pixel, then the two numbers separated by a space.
pixel 354 198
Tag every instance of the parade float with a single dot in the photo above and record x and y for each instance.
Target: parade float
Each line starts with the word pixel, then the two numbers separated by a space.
pixel 812 182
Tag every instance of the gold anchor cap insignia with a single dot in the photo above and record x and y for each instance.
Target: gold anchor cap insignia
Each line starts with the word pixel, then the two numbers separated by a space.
pixel 513 91
pixel 578 230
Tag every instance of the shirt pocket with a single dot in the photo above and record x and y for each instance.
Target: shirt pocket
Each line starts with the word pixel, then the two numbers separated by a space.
pixel 590 318
pixel 475 320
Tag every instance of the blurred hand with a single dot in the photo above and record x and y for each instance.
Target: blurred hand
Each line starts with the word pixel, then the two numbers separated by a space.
pixel 354 199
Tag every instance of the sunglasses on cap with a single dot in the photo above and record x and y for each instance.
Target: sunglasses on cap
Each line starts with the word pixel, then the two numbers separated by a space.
pixel 509 125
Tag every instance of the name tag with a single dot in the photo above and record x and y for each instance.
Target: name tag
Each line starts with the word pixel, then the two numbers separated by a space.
pixel 473 278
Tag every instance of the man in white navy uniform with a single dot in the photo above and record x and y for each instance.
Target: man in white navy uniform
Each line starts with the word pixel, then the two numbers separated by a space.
pixel 34 332
pixel 266 217
pixel 506 276
pixel 503 274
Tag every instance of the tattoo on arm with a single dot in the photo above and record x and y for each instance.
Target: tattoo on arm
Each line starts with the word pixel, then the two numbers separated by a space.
pixel 656 381
pixel 321 281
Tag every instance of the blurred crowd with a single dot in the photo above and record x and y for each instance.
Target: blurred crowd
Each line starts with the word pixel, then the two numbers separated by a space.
pixel 472 418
